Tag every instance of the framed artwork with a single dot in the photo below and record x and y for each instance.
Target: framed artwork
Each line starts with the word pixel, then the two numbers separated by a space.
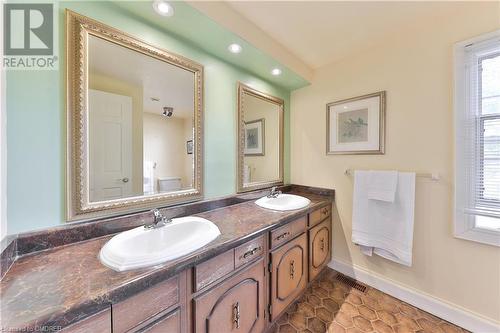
pixel 189 147
pixel 356 125
pixel 255 137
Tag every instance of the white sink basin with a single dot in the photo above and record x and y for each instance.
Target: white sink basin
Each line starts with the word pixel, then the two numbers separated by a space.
pixel 283 202
pixel 140 247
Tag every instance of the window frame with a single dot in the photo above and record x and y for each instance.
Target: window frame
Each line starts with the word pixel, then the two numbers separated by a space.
pixel 482 118
pixel 464 223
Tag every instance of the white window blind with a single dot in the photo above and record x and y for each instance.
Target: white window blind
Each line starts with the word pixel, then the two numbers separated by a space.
pixel 477 107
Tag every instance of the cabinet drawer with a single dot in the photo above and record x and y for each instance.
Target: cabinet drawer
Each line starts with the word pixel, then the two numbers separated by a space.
pixel 288 231
pixel 236 305
pixel 171 323
pixel 213 269
pixel 98 323
pixel 319 248
pixel 134 310
pixel 319 215
pixel 249 251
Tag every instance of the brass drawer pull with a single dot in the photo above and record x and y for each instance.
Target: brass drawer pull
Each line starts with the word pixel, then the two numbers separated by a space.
pixel 236 314
pixel 283 235
pixel 292 269
pixel 322 244
pixel 251 252
pixel 324 211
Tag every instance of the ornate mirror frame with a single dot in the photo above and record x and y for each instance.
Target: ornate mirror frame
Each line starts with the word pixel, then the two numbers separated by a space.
pixel 246 90
pixel 79 207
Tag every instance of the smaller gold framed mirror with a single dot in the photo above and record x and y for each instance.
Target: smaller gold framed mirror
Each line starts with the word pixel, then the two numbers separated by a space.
pixel 260 139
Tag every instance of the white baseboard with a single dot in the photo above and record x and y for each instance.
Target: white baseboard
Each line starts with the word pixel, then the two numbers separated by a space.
pixel 440 308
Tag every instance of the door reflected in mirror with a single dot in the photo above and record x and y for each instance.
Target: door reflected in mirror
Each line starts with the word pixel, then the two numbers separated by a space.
pixel 141 113
pixel 260 135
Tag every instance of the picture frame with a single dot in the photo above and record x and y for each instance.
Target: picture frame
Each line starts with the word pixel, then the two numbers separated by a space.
pixel 255 137
pixel 356 125
pixel 189 147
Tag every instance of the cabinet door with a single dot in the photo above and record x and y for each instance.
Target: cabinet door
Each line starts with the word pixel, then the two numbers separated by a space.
pixel 289 274
pixel 319 248
pixel 236 305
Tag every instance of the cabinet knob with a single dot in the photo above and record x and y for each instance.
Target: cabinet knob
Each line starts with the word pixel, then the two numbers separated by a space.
pixel 292 269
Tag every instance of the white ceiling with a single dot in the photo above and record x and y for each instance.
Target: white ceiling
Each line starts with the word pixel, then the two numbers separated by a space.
pixel 172 85
pixel 320 33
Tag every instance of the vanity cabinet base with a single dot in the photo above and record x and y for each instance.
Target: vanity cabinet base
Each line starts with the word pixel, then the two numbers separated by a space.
pixel 244 289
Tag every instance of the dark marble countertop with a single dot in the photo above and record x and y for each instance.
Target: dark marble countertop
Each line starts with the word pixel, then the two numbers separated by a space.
pixel 62 285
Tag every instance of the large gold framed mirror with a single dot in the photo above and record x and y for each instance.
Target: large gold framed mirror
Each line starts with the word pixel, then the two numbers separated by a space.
pixel 134 115
pixel 260 139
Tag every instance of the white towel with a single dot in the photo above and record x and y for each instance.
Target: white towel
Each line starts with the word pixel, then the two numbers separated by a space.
pixel 381 227
pixel 246 174
pixel 382 185
pixel 149 175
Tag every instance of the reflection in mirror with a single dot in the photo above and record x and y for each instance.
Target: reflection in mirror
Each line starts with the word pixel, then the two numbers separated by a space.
pixel 140 122
pixel 261 152
pixel 261 129
pixel 135 118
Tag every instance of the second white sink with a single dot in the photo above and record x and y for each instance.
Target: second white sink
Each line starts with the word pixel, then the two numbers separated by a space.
pixel 140 247
pixel 283 202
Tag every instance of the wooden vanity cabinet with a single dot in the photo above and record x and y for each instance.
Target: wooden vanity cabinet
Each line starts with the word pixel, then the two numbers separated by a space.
pixel 319 247
pixel 288 274
pixel 243 289
pixel 236 305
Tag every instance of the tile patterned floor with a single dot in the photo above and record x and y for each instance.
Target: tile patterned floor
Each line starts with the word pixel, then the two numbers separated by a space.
pixel 331 306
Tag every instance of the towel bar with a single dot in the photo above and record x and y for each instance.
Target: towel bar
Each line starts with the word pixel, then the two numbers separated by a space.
pixel 432 176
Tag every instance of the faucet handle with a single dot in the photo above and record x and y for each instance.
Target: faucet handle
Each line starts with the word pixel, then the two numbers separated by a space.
pixel 274 192
pixel 156 213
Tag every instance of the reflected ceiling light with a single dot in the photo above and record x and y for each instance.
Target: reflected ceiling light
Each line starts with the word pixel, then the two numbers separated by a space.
pixel 163 8
pixel 234 48
pixel 276 71
pixel 168 111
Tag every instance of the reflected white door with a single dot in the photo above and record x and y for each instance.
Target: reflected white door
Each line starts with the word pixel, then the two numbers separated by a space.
pixel 110 145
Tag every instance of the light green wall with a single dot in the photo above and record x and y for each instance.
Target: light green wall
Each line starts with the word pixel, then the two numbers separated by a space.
pixel 36 123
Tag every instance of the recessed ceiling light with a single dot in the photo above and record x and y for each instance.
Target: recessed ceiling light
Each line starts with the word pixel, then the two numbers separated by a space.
pixel 234 48
pixel 276 71
pixel 163 8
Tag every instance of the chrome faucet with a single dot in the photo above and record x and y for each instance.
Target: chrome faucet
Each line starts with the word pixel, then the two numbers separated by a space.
pixel 274 192
pixel 158 220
